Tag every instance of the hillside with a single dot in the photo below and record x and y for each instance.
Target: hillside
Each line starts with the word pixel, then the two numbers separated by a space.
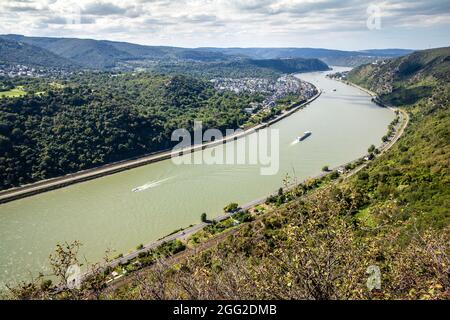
pixel 91 53
pixel 408 79
pixel 12 52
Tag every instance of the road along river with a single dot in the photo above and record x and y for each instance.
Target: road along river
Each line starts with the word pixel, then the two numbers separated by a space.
pixel 106 214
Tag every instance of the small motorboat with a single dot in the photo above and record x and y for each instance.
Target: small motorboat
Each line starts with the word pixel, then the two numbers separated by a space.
pixel 305 135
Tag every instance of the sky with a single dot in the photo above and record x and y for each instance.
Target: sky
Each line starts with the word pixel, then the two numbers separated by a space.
pixel 334 24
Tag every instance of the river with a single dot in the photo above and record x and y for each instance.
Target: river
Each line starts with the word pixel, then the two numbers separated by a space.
pixel 106 214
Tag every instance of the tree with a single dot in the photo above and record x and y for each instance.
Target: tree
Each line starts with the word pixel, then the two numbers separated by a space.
pixel 334 175
pixel 65 256
pixel 371 149
pixel 203 217
pixel 231 207
pixel 325 169
pixel 280 191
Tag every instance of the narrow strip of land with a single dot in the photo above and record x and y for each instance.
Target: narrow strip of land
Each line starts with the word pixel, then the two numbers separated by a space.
pixel 85 175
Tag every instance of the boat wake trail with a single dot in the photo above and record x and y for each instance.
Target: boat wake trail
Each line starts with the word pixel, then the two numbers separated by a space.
pixel 294 142
pixel 150 184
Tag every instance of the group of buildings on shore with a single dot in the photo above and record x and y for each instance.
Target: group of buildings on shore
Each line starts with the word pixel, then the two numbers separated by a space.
pixel 275 89
pixel 20 70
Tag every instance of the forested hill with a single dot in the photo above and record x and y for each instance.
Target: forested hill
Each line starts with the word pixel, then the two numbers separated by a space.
pixel 13 52
pixel 416 172
pixel 408 79
pixel 241 67
pixel 106 55
pixel 97 118
pixel 96 54
pixel 291 65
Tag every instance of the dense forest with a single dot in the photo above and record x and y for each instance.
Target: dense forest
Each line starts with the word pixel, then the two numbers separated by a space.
pixel 96 118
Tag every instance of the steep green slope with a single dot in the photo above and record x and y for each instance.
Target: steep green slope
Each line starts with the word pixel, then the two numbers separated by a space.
pixel 416 172
pixel 86 52
pixel 408 79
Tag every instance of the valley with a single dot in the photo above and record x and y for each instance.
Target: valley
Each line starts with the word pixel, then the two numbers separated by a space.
pixel 359 171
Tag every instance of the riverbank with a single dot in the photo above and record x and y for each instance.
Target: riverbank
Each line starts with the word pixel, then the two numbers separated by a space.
pixel 108 169
pixel 371 93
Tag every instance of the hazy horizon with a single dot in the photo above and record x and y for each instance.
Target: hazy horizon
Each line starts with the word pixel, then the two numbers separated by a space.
pixel 232 47
pixel 331 24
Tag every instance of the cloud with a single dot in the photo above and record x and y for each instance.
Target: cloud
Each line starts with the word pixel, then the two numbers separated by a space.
pixel 253 5
pixel 23 6
pixel 66 20
pixel 103 9
pixel 159 22
pixel 196 19
pixel 200 18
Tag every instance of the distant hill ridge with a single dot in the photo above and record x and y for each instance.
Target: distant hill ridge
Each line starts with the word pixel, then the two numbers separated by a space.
pixel 329 56
pixel 103 54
